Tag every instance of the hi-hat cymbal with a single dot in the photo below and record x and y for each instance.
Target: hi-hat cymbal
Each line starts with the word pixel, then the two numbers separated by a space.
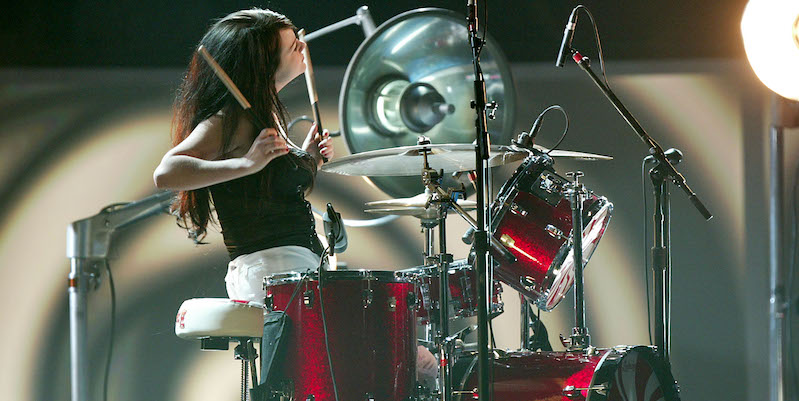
pixel 408 160
pixel 410 205
pixel 414 206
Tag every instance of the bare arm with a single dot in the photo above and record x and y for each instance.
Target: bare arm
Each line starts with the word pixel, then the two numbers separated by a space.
pixel 198 161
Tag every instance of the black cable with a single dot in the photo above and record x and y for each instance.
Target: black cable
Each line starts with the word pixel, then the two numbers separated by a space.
pixel 598 43
pixel 324 323
pixel 646 254
pixel 539 119
pixel 112 330
pixel 298 119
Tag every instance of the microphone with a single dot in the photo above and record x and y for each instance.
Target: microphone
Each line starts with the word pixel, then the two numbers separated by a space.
pixel 527 140
pixel 568 34
pixel 334 230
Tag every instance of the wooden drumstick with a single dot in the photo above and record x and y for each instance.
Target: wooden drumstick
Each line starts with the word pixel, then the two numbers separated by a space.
pixel 313 97
pixel 234 90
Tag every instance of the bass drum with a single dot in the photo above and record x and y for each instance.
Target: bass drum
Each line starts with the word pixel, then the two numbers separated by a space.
pixel 619 374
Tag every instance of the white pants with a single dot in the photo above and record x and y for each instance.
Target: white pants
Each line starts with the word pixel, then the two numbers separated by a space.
pixel 245 274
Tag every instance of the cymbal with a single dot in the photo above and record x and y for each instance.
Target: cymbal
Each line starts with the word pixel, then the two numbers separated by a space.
pixel 408 160
pixel 414 206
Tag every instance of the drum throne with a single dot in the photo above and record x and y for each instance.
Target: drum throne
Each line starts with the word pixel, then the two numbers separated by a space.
pixel 217 322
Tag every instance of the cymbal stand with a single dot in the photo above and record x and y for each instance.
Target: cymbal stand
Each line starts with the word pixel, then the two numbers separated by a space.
pixel 432 180
pixel 579 339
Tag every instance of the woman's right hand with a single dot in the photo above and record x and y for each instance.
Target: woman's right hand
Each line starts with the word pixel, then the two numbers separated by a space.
pixel 268 145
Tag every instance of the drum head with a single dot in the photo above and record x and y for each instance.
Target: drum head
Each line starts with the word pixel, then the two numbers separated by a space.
pixel 636 375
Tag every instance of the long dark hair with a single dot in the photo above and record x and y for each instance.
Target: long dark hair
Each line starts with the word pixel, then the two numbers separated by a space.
pixel 246 44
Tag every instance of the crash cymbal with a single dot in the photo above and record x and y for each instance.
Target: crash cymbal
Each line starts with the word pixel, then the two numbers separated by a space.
pixel 410 204
pixel 408 160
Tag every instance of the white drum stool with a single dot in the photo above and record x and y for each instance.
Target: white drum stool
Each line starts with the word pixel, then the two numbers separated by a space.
pixel 217 322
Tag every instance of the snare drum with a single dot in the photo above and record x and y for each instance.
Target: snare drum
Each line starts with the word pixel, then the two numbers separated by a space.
pixel 619 374
pixel 532 218
pixel 371 333
pixel 462 281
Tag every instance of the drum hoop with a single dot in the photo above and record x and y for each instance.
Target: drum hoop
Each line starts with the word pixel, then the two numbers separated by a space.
pixel 429 270
pixel 659 369
pixel 385 276
pixel 509 189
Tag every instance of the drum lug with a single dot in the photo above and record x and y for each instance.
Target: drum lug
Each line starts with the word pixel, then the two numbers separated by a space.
pixel 392 303
pixel 369 397
pixel 307 299
pixel 517 210
pixel 555 232
pixel 367 296
pixel 466 284
pixel 528 283
pixel 576 392
pixel 269 302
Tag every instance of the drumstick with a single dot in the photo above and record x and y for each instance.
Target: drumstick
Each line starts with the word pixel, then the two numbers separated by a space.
pixel 313 97
pixel 234 90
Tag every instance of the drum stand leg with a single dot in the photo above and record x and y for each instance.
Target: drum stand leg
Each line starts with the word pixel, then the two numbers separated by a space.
pixel 661 263
pixel 524 343
pixel 444 259
pixel 579 339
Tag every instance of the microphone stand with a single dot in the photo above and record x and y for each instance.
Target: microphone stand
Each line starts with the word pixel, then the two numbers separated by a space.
pixel 661 174
pixel 481 234
pixel 88 246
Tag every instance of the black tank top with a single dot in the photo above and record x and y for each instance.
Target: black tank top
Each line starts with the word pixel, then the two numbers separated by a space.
pixel 252 219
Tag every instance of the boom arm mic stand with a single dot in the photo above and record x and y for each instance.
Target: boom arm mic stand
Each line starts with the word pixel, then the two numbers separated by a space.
pixel 661 174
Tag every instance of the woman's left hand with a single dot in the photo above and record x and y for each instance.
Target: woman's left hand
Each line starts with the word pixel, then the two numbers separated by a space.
pixel 320 146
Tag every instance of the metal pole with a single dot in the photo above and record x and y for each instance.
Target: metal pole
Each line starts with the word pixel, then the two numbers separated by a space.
pixel 580 338
pixel 481 235
pixel 776 290
pixel 524 323
pixel 666 194
pixel 660 263
pixel 443 307
pixel 79 283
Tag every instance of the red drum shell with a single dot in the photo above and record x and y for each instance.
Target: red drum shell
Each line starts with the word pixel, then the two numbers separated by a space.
pixel 372 337
pixel 532 218
pixel 618 374
pixel 462 288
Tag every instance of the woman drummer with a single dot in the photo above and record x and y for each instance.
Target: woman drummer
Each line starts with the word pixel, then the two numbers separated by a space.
pixel 255 180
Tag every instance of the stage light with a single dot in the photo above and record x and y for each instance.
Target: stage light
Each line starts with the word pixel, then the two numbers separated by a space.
pixel 770 30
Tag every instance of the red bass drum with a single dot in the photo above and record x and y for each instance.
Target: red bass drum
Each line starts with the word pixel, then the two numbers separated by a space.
pixel 619 374
pixel 371 329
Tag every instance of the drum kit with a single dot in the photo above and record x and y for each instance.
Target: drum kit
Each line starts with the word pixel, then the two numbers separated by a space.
pixel 373 317
pixel 354 332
